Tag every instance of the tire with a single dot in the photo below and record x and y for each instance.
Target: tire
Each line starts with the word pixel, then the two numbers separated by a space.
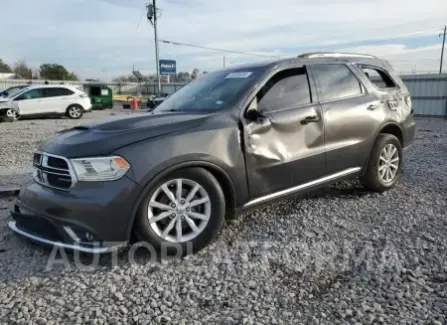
pixel 75 112
pixel 152 232
pixel 11 115
pixel 376 180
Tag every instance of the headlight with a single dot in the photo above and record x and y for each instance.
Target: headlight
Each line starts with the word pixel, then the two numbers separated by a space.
pixel 100 169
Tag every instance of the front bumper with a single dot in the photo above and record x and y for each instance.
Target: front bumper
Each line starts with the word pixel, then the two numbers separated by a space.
pixel 75 246
pixel 91 217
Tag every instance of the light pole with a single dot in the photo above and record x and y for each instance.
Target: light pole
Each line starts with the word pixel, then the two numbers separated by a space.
pixel 442 50
pixel 152 14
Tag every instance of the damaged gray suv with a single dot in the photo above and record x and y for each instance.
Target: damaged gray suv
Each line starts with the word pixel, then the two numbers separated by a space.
pixel 225 143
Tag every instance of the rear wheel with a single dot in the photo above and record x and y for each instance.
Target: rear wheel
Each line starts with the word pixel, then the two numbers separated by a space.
pixel 75 112
pixel 185 210
pixel 385 164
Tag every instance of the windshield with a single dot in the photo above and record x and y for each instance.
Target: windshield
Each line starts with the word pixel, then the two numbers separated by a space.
pixel 11 91
pixel 211 92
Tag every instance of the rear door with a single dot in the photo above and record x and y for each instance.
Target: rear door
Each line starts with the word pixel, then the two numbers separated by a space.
pixel 351 116
pixel 284 147
pixel 30 102
pixel 57 99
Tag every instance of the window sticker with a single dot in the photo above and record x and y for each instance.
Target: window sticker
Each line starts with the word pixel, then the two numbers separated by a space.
pixel 239 75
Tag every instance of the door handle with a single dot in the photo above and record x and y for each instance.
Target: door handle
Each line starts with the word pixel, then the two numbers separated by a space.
pixel 372 107
pixel 310 119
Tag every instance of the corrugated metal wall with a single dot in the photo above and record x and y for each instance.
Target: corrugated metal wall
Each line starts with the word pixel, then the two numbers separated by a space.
pixel 428 94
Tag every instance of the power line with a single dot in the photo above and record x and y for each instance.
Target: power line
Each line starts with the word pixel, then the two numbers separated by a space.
pixel 218 49
pixel 381 40
pixel 277 56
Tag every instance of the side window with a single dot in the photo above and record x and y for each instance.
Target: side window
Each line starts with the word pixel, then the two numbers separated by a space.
pixel 65 91
pixel 378 77
pixel 32 94
pixel 286 89
pixel 337 81
pixel 56 92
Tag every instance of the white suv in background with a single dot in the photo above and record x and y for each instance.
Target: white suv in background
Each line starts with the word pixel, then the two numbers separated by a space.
pixel 47 100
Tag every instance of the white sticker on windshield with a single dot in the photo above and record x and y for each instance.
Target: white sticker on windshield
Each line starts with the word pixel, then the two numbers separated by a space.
pixel 238 75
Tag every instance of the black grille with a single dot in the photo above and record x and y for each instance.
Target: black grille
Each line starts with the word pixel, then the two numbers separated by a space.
pixel 37 159
pixel 60 181
pixel 57 163
pixel 52 171
pixel 37 226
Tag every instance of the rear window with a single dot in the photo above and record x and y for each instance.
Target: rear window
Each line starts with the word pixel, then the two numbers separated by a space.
pixel 378 77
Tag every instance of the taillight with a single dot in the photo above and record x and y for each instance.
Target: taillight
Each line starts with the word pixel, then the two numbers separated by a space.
pixel 83 95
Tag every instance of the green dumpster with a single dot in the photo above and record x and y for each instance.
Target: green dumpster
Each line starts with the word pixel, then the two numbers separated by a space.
pixel 100 95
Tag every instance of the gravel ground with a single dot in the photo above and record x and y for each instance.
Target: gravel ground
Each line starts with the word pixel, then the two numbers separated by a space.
pixel 338 256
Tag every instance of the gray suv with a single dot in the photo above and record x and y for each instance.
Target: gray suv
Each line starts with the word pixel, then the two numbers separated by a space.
pixel 223 144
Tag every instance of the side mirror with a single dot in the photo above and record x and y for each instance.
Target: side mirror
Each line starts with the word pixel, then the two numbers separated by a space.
pixel 253 114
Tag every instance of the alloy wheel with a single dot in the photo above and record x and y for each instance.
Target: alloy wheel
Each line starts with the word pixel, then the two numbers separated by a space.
pixel 12 113
pixel 179 210
pixel 75 112
pixel 388 163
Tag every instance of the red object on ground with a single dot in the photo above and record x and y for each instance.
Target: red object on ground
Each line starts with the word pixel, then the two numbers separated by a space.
pixel 134 104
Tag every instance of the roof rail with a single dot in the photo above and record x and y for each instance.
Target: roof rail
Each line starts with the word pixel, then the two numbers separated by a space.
pixel 334 55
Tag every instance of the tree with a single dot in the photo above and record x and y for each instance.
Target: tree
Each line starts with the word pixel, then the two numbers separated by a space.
pixel 4 68
pixel 22 70
pixel 195 73
pixel 128 78
pixel 56 72
pixel 182 77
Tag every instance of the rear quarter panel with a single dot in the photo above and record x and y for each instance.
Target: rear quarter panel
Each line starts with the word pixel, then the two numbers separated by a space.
pixel 402 115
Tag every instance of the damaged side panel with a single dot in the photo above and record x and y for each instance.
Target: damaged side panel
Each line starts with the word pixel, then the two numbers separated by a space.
pixel 284 149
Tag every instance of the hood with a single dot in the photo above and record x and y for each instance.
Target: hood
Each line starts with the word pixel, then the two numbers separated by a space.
pixel 102 138
pixel 5 102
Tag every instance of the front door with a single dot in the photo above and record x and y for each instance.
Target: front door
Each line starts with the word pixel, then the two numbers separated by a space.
pixel 284 146
pixel 30 102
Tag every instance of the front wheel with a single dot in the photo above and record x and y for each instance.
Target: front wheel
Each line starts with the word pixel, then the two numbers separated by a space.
pixel 75 112
pixel 183 211
pixel 385 164
pixel 11 115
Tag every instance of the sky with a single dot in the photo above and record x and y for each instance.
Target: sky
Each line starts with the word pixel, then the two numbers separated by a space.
pixel 106 38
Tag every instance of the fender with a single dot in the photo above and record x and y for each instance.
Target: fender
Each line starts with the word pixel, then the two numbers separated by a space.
pixel 166 171
pixel 380 128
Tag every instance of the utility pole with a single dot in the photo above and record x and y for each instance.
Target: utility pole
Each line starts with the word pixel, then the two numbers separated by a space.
pixel 442 50
pixel 152 15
